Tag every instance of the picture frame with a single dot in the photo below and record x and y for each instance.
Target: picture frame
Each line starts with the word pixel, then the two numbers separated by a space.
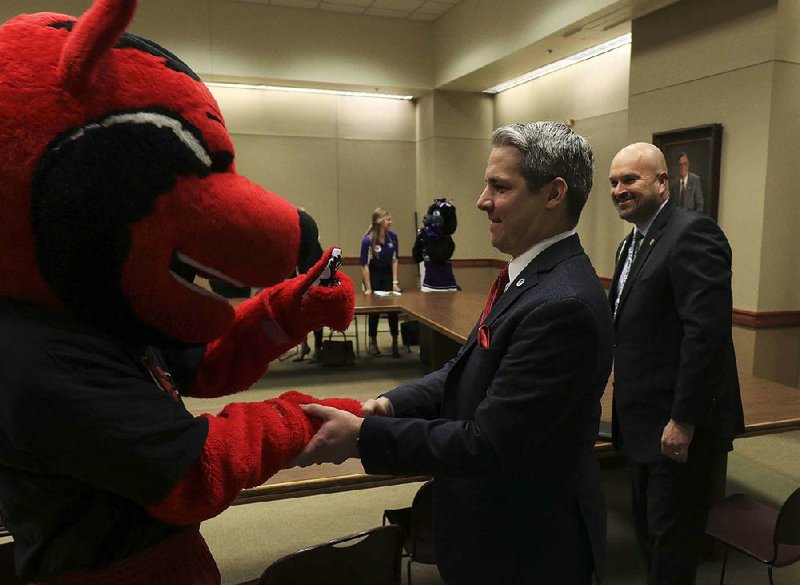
pixel 696 151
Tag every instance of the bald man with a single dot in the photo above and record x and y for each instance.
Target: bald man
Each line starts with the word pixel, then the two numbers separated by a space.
pixel 676 402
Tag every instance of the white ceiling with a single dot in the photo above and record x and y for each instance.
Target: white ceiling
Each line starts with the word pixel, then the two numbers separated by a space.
pixel 411 9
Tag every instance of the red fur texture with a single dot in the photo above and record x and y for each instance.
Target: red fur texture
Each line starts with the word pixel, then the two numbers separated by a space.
pixel 237 360
pixel 117 179
pixel 247 443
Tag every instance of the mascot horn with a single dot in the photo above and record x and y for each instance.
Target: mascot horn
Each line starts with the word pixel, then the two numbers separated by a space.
pixel 118 185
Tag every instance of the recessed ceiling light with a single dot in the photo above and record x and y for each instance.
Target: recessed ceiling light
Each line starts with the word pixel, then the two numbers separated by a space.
pixel 562 64
pixel 386 96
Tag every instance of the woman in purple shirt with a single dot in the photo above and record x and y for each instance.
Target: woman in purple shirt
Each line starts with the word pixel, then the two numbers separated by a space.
pixel 379 254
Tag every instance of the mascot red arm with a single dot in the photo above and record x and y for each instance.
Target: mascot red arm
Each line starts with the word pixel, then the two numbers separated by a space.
pixel 117 178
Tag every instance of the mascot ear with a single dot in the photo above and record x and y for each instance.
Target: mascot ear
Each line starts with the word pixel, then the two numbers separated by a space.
pixel 95 33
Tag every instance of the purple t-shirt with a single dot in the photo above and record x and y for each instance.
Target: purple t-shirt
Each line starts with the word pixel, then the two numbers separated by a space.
pixel 382 254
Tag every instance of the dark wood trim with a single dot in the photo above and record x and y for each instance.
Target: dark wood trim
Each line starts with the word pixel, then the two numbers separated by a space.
pixel 479 263
pixel 323 485
pixel 751 319
pixel 741 317
pixel 457 262
pixel 766 319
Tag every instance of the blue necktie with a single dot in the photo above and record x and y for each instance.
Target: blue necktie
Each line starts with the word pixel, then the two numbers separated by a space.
pixel 626 268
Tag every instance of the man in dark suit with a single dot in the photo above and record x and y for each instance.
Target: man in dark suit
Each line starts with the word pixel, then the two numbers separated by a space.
pixel 676 401
pixel 686 189
pixel 507 427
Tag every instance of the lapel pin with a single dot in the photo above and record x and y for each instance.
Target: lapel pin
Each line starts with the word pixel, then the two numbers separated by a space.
pixel 652 241
pixel 520 282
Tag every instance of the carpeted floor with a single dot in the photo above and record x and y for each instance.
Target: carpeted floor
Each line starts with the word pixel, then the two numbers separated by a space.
pixel 246 538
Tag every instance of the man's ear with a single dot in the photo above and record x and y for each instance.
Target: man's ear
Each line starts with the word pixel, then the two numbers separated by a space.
pixel 663 180
pixel 556 193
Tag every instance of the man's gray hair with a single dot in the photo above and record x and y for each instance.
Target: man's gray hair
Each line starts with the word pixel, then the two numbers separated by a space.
pixel 550 150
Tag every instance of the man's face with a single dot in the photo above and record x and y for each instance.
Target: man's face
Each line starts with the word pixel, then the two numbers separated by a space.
pixel 637 188
pixel 683 166
pixel 517 215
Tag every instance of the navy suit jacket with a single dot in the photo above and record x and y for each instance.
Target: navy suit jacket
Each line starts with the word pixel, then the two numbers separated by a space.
pixel 674 354
pixel 508 431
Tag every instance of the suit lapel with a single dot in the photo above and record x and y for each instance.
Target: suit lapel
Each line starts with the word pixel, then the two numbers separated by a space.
pixel 622 253
pixel 532 273
pixel 648 244
pixel 528 279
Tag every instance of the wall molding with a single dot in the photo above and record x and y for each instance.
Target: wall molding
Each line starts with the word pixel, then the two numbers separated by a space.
pixel 457 262
pixel 766 319
pixel 741 317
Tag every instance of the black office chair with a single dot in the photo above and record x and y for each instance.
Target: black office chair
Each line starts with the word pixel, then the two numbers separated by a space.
pixel 765 532
pixel 417 524
pixel 7 574
pixel 371 557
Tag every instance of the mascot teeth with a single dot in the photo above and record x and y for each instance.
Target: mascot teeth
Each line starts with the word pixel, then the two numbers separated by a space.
pixel 114 154
pixel 203 270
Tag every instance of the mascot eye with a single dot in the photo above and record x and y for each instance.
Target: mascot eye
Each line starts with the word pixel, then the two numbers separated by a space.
pixel 215 118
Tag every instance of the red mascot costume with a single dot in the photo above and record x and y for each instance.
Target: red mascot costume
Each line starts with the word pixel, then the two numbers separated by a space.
pixel 117 183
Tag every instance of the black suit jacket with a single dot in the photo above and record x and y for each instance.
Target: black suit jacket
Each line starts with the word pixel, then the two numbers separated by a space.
pixel 507 431
pixel 674 354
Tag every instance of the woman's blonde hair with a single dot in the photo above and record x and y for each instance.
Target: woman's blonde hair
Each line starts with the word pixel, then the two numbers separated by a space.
pixel 376 230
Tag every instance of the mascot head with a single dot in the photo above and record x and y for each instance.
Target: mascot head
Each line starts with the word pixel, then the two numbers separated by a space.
pixel 441 217
pixel 117 177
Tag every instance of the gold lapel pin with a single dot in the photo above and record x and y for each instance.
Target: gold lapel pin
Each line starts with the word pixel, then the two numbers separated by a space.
pixel 652 241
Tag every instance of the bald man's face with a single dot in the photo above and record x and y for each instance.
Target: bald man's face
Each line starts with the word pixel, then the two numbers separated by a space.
pixel 638 186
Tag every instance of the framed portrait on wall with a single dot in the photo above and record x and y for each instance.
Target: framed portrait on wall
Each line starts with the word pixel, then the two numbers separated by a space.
pixel 693 160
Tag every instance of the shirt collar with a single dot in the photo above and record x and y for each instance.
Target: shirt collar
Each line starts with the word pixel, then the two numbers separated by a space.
pixel 645 227
pixel 518 264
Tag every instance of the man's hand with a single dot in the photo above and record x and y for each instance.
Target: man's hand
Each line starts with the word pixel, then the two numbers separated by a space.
pixel 335 440
pixel 380 406
pixel 675 440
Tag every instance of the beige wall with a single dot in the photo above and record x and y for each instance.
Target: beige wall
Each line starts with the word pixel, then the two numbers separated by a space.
pixel 672 88
pixel 736 63
pixel 452 149
pixel 339 157
pixel 595 95
pixel 475 33
pixel 779 277
pixel 221 39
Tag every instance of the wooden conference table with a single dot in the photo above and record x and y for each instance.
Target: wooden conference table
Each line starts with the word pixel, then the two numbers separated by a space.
pixel 446 320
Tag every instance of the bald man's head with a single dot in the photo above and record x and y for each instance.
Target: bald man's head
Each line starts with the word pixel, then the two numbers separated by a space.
pixel 638 178
pixel 648 155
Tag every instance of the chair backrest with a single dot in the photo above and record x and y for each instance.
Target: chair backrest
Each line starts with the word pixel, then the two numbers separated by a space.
pixel 371 557
pixel 7 574
pixel 421 530
pixel 787 527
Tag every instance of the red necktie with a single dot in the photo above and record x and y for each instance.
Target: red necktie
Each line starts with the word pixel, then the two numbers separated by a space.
pixel 498 286
pixel 683 193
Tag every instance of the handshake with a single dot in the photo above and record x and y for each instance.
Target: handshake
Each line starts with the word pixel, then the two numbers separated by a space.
pixel 337 438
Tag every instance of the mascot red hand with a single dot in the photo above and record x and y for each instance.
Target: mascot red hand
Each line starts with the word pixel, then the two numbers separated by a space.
pixel 118 184
pixel 241 452
pixel 297 308
pixel 269 324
